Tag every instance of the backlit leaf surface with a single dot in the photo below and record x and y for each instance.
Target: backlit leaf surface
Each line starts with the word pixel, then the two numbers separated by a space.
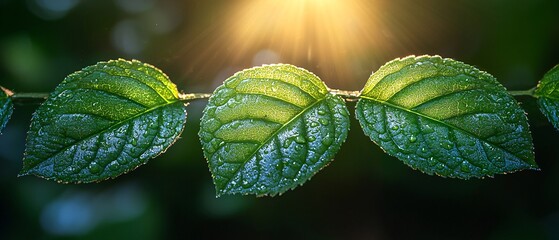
pixel 445 117
pixel 547 93
pixel 269 129
pixel 103 121
pixel 6 109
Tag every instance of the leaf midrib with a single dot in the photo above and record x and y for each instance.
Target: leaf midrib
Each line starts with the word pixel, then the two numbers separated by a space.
pixel 442 123
pixel 274 134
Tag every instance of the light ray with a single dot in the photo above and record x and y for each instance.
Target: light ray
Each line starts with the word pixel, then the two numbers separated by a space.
pixel 331 38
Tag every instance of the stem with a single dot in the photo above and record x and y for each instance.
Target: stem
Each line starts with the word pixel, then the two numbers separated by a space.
pixel 37 98
pixel 28 98
pixel 187 97
pixel 529 92
pixel 350 96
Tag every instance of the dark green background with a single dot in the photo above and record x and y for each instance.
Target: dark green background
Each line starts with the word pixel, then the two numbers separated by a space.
pixel 363 194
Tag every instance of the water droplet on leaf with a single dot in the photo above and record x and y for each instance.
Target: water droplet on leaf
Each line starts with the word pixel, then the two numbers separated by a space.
pixel 446 146
pixel 428 129
pixel 465 167
pixel 113 166
pixel 94 168
pixel 122 160
pixel 432 162
pixel 287 143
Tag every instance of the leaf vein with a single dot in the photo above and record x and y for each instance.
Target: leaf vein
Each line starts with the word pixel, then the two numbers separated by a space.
pixel 387 104
pixel 272 136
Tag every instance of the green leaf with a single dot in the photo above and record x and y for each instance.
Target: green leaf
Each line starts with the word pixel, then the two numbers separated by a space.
pixel 6 108
pixel 547 93
pixel 103 121
pixel 269 129
pixel 446 118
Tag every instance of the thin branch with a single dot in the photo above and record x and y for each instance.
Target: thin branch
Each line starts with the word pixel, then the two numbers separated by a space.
pixel 187 97
pixel 28 98
pixel 350 96
pixel 529 92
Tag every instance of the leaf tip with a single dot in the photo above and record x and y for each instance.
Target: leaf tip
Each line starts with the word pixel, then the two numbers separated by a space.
pixel 24 172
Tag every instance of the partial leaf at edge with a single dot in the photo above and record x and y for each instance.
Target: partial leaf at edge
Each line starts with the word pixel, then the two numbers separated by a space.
pixel 445 117
pixel 547 93
pixel 6 108
pixel 269 129
pixel 103 121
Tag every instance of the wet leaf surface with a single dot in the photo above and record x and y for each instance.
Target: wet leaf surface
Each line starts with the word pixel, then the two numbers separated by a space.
pixel 103 121
pixel 445 117
pixel 269 129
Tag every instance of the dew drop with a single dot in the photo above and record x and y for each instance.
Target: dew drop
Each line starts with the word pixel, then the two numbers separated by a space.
pixel 113 166
pixel 432 162
pixel 321 112
pixel 311 138
pixel 314 124
pixel 232 103
pixel 287 143
pixel 219 161
pixel 300 139
pixel 465 167
pixel 222 96
pixel 343 112
pixel 395 127
pixel 446 146
pixel 94 168
pixel 289 173
pixel 227 148
pixel 327 141
pixel 122 160
pixel 428 129
pixel 324 121
pixel 235 124
pixel 413 139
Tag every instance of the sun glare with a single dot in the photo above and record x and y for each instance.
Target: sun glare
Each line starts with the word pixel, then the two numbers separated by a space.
pixel 339 40
pixel 321 34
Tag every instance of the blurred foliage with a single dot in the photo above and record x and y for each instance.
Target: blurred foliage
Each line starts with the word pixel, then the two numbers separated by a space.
pixel 364 194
